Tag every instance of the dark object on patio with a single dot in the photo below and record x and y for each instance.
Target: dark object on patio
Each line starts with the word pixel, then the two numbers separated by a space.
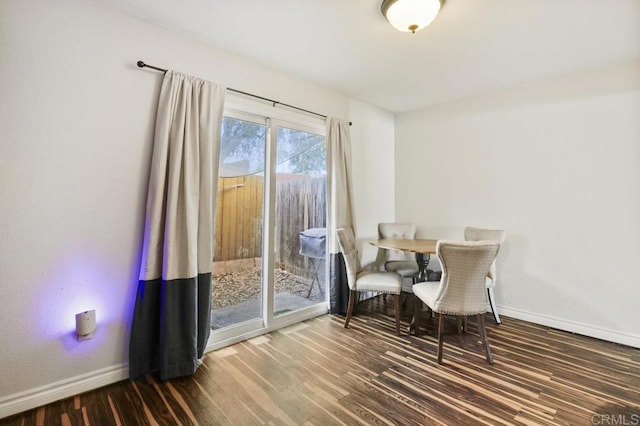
pixel 313 244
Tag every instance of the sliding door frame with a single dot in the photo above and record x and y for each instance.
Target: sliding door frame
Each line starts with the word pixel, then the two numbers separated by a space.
pixel 272 118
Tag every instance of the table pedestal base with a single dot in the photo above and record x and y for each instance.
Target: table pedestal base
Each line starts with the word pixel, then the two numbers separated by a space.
pixel 423 261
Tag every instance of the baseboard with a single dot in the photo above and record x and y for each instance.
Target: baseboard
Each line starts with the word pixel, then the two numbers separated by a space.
pixel 573 327
pixel 36 397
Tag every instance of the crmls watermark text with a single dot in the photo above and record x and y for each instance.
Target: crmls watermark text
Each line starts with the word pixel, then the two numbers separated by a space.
pixel 615 419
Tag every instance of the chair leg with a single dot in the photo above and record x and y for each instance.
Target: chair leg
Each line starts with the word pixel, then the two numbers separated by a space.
pixel 314 277
pixel 492 302
pixel 441 321
pixel 396 299
pixel 352 300
pixel 462 323
pixel 483 337
pixel 404 301
pixel 416 315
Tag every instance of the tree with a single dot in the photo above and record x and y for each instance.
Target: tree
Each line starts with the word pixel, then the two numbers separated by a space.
pixel 242 149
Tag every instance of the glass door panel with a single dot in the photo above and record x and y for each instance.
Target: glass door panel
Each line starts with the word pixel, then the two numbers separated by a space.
pixel 237 268
pixel 300 219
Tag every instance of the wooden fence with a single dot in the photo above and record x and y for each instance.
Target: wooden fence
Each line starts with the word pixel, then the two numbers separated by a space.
pixel 300 205
pixel 238 231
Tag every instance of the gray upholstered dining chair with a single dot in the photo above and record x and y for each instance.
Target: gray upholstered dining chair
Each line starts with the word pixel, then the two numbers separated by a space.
pixel 461 290
pixel 395 260
pixel 477 234
pixel 359 280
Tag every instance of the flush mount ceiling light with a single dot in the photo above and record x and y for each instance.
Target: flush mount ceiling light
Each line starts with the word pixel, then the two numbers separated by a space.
pixel 410 15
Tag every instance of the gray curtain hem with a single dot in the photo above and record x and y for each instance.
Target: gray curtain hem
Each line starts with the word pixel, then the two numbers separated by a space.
pixel 338 285
pixel 167 339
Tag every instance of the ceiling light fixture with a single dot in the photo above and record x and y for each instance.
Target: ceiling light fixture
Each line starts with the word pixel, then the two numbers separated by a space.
pixel 410 15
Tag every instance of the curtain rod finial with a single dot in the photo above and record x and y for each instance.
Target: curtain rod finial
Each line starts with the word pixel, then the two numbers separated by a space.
pixel 140 64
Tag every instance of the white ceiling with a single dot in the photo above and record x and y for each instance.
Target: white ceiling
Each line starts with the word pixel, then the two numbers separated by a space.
pixel 472 47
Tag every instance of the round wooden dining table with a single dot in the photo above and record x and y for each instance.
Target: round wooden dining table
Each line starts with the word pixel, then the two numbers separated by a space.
pixel 423 249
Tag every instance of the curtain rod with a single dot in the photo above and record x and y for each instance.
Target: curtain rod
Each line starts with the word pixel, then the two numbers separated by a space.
pixel 141 64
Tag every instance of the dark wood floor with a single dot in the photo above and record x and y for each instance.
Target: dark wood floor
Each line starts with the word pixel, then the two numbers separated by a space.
pixel 318 373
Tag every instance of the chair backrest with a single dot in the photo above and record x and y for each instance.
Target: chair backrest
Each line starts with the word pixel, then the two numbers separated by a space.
pixel 347 244
pixel 465 264
pixel 478 234
pixel 404 231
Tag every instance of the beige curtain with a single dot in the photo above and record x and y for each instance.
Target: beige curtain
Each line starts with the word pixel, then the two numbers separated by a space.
pixel 171 319
pixel 341 214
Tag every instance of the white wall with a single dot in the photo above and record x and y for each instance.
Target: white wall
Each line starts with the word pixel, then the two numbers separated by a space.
pixel 373 169
pixel 76 124
pixel 555 164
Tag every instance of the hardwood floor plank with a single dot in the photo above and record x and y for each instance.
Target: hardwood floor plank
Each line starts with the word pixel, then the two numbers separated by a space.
pixel 154 402
pixel 131 408
pixel 319 373
pixel 257 396
pixel 95 406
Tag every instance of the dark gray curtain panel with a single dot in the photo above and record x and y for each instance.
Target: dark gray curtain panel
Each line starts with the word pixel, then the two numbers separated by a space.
pixel 340 198
pixel 338 285
pixel 172 313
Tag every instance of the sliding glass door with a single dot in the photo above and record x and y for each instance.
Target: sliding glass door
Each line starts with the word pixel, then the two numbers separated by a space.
pixel 269 267
pixel 301 212
pixel 237 271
